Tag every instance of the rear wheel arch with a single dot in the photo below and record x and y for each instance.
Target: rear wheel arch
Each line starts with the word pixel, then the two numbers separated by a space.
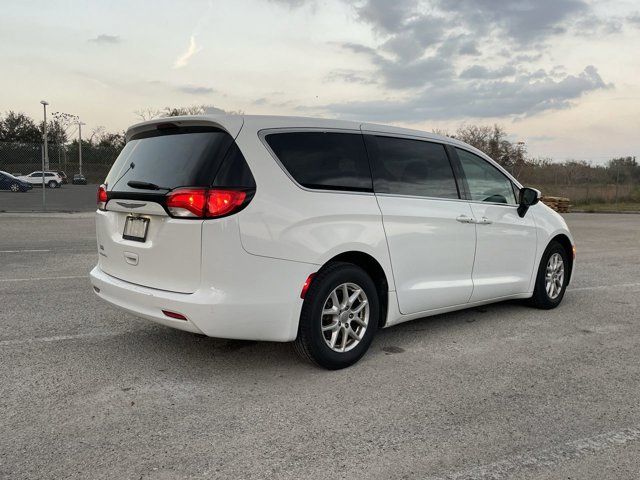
pixel 373 268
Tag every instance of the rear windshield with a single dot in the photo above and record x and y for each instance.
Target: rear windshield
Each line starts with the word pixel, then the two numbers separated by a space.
pixel 171 158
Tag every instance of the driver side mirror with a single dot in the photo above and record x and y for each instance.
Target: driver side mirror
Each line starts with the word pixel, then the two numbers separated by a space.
pixel 528 198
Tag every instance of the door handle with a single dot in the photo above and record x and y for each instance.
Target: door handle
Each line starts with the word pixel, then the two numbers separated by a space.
pixel 465 219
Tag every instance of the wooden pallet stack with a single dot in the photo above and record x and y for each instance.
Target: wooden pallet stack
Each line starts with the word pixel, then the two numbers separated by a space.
pixel 559 204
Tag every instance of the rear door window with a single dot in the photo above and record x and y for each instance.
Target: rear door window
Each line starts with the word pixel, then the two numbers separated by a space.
pixel 324 160
pixel 171 158
pixel 404 166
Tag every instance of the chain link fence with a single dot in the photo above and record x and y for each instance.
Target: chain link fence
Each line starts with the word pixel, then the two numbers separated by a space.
pixel 23 158
pixel 588 187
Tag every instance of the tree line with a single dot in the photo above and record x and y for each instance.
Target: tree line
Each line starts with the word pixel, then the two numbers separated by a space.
pixel 493 140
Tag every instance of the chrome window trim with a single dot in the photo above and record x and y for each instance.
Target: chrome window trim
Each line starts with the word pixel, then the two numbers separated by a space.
pixel 266 131
pixel 441 199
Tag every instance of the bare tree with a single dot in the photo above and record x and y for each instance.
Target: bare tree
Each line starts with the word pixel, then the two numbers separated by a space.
pixel 152 113
pixel 148 113
pixel 97 132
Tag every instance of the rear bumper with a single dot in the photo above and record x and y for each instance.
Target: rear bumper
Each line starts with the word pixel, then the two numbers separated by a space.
pixel 262 311
pixel 143 302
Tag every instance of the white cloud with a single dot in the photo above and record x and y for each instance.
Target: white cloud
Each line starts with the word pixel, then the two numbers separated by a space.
pixel 184 59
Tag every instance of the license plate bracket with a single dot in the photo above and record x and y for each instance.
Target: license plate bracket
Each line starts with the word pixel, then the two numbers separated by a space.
pixel 135 229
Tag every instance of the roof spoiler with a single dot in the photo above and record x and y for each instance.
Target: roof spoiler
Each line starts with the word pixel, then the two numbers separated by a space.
pixel 232 124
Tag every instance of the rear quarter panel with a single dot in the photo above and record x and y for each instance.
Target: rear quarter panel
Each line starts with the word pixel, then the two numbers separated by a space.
pixel 288 222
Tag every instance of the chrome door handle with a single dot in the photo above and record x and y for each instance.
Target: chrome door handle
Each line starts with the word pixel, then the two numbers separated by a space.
pixel 465 219
pixel 484 221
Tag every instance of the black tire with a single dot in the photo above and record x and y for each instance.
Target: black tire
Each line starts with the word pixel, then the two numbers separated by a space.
pixel 14 187
pixel 541 299
pixel 52 184
pixel 310 344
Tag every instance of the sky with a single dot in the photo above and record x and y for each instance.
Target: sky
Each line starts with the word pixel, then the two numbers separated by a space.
pixel 561 75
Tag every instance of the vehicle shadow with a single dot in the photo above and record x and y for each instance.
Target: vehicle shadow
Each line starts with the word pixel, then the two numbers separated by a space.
pixel 167 350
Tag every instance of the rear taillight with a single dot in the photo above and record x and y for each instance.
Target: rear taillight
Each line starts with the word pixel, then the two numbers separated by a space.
pixel 224 202
pixel 187 202
pixel 102 197
pixel 203 203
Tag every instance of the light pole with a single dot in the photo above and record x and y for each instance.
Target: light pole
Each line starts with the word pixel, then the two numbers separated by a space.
pixel 45 158
pixel 80 146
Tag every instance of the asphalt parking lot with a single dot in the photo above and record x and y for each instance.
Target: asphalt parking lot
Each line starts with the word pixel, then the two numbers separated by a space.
pixel 499 392
pixel 68 198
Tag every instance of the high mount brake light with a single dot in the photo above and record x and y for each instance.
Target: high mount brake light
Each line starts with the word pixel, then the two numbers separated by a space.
pixel 102 197
pixel 203 203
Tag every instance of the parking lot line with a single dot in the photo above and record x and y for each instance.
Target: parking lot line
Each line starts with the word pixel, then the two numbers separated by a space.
pixel 575 449
pixel 37 279
pixel 57 338
pixel 23 251
pixel 604 287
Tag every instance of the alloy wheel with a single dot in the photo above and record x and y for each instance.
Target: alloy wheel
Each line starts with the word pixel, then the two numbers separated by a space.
pixel 554 277
pixel 345 317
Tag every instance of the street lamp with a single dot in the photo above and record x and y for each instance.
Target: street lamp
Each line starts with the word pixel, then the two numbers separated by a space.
pixel 80 145
pixel 45 158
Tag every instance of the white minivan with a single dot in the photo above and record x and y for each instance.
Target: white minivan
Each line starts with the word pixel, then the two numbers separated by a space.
pixel 317 232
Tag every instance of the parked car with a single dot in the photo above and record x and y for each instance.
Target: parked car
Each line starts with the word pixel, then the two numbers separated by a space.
pixel 79 179
pixel 63 175
pixel 51 179
pixel 9 182
pixel 317 232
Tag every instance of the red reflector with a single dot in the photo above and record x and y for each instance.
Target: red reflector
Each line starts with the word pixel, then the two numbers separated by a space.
pixel 223 202
pixel 177 316
pixel 306 285
pixel 102 197
pixel 187 202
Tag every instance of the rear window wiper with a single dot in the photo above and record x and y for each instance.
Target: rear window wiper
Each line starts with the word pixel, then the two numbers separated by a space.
pixel 145 185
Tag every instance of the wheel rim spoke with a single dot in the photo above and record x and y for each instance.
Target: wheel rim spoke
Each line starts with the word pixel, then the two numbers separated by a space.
pixel 333 326
pixel 353 334
pixel 331 311
pixel 334 337
pixel 334 299
pixel 359 321
pixel 345 295
pixel 360 307
pixel 345 337
pixel 354 296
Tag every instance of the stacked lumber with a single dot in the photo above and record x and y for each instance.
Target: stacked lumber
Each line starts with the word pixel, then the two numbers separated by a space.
pixel 559 204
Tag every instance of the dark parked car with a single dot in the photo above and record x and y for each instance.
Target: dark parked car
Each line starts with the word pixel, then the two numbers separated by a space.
pixel 78 179
pixel 9 182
